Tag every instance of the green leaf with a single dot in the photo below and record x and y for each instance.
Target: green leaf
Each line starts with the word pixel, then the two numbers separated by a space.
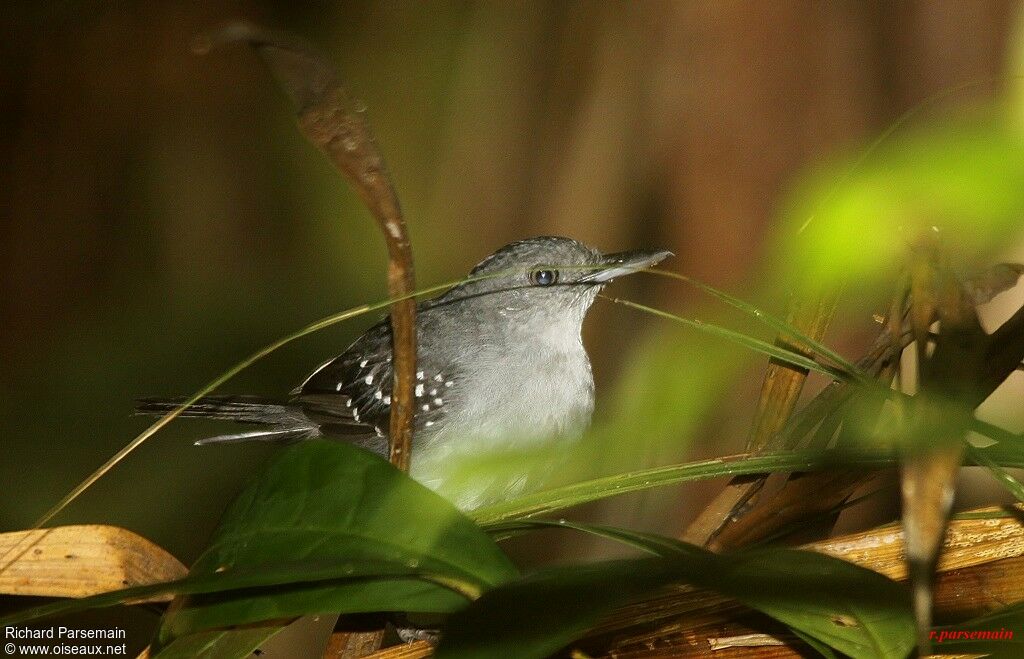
pixel 559 498
pixel 542 613
pixel 959 180
pixel 816 645
pixel 327 528
pixel 858 612
pixel 1005 478
pixel 547 501
pixel 751 343
pixel 779 325
pixel 331 504
pixel 849 608
pixel 221 644
pixel 649 542
pixel 996 634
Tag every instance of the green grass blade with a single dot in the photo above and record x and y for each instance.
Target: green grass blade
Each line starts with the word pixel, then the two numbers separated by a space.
pixel 757 345
pixel 774 322
pixel 548 501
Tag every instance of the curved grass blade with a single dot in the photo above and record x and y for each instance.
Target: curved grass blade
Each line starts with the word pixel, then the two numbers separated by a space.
pixel 548 501
pixel 651 543
pixel 1005 478
pixel 774 322
pixel 748 342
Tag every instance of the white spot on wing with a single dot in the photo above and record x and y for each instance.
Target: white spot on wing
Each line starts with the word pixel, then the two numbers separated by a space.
pixel 369 379
pixel 419 390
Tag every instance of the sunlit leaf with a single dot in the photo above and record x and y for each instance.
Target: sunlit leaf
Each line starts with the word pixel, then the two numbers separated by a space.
pixel 962 179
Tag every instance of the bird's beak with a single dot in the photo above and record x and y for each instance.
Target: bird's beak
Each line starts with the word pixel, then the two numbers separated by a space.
pixel 624 263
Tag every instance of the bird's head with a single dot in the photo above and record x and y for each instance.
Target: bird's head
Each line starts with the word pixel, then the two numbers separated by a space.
pixel 548 280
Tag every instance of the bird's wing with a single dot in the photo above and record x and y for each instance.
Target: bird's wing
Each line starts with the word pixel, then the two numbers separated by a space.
pixel 356 384
pixel 359 381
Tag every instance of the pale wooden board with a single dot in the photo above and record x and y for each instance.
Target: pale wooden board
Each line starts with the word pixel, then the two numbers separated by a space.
pixel 78 561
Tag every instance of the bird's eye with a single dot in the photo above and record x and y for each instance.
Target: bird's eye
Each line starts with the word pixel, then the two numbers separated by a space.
pixel 544 277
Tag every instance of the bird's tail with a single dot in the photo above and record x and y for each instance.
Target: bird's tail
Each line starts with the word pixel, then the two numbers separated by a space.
pixel 280 422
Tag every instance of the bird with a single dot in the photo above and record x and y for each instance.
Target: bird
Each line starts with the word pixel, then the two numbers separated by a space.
pixel 500 363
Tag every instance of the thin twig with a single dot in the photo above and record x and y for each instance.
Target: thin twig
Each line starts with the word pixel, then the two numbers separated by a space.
pixel 331 120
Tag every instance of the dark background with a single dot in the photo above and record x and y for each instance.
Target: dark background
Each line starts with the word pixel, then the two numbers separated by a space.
pixel 161 217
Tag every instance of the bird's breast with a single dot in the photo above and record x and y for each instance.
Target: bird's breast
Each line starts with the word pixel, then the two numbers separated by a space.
pixel 508 400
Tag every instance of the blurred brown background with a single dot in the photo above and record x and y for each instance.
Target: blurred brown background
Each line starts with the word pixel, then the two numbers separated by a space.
pixel 162 217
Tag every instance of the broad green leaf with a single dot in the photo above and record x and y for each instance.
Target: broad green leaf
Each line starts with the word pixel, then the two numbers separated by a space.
pixel 853 610
pixel 540 614
pixel 816 645
pixel 996 634
pixel 333 504
pixel 849 608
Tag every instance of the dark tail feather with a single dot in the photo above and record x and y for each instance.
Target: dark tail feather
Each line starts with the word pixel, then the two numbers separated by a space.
pixel 283 422
pixel 283 435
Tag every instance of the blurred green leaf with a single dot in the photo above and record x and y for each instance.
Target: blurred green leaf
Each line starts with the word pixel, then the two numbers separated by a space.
pixel 330 503
pixel 961 180
pixel 849 608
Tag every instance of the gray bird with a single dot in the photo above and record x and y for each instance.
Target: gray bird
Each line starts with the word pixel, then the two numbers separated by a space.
pixel 500 361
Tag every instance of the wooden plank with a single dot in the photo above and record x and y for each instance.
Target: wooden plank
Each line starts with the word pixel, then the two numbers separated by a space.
pixel 78 561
